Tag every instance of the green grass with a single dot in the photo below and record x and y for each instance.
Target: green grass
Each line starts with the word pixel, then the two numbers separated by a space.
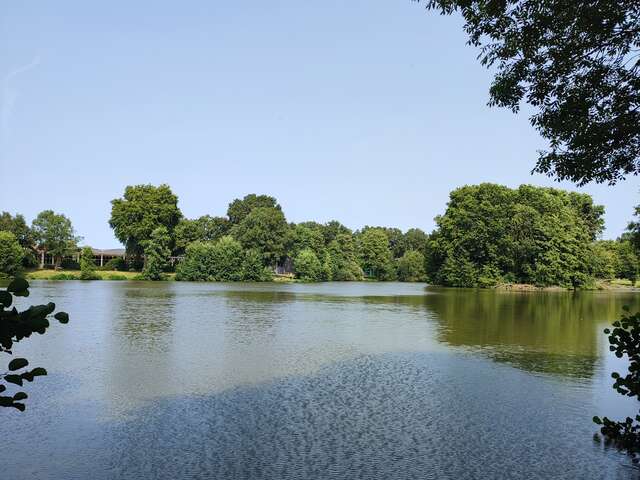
pixel 75 275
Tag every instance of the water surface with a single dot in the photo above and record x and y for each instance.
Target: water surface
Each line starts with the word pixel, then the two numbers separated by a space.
pixel 317 381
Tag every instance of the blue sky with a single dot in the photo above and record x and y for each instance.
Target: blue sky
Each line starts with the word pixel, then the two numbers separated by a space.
pixel 368 112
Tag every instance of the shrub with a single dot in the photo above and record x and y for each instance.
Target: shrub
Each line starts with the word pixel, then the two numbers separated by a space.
pixel 69 264
pixel 307 266
pixel 114 276
pixel 223 260
pixel 87 265
pixel 118 263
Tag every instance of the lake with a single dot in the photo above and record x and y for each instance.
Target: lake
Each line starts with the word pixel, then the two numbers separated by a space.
pixel 317 381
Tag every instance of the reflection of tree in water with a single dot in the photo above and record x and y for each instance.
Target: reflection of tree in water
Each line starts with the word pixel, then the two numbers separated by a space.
pixel 254 313
pixel 143 314
pixel 549 332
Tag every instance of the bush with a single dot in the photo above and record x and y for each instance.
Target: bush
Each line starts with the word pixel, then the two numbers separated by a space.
pixel 307 266
pixel 223 260
pixel 69 264
pixel 119 264
pixel 87 265
pixel 63 276
pixel 253 269
pixel 114 276
pixel 11 254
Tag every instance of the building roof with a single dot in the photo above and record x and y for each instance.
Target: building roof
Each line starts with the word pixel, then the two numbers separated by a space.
pixel 110 252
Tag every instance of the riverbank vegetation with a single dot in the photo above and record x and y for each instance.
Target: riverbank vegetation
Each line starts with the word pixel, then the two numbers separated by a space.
pixel 488 236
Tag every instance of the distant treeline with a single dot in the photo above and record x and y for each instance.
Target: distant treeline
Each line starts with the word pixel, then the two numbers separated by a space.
pixel 489 234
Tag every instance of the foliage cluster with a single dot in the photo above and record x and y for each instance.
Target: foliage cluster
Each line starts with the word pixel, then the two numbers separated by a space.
pixel 15 326
pixel 491 234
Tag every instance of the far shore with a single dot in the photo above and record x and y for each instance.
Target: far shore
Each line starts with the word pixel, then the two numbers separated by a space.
pixel 115 275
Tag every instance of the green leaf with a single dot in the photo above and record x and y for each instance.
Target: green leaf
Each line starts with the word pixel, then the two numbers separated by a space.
pixel 17 364
pixel 2 388
pixel 18 287
pixel 20 396
pixel 5 298
pixel 597 420
pixel 62 317
pixel 38 371
pixel 19 406
pixel 17 379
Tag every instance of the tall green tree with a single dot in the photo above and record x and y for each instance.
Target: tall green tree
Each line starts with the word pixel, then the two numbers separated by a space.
pixel 241 208
pixel 11 254
pixel 264 229
pixel 375 255
pixel 491 233
pixel 306 237
pixel 141 210
pixel 332 229
pixel 157 253
pixel 577 64
pixel 18 226
pixel 203 229
pixel 343 260
pixel 416 239
pixel 54 233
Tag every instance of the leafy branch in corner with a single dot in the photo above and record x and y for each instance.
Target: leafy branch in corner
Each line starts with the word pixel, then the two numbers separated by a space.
pixel 624 339
pixel 14 327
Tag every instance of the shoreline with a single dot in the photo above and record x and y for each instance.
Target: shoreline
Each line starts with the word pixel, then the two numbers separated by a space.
pixel 115 275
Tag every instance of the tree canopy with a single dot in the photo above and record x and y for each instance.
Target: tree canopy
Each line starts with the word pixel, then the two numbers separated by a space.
pixel 240 208
pixel 491 234
pixel 577 64
pixel 142 209
pixel 54 232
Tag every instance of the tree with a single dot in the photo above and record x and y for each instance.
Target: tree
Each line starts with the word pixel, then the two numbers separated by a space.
pixel 375 255
pixel 223 260
pixel 15 326
pixel 307 266
pixel 332 229
pixel 228 257
pixel 87 264
pixel 253 269
pixel 198 264
pixel 204 229
pixel 633 229
pixel 605 262
pixel 11 254
pixel 157 253
pixel 628 262
pixel 306 237
pixel 54 233
pixel 240 208
pixel 18 226
pixel 142 209
pixel 491 234
pixel 411 267
pixel 577 64
pixel 264 229
pixel 416 239
pixel 343 260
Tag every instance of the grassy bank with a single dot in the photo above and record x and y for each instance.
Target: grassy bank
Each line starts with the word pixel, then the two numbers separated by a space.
pixel 615 284
pixel 75 275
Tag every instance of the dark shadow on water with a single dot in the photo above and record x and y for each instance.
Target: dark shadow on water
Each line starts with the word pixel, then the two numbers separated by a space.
pixel 394 416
